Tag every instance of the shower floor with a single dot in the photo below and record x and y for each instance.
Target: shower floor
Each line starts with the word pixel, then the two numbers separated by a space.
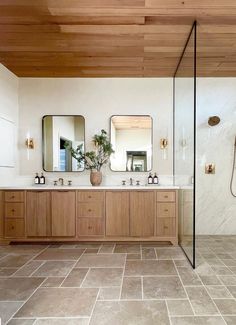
pixel 118 284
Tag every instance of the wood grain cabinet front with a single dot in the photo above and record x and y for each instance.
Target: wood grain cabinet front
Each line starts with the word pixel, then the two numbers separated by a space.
pixel 38 214
pixel 117 213
pixel 63 213
pixel 14 210
pixel 142 213
pixel 90 227
pixel 14 196
pixel 14 228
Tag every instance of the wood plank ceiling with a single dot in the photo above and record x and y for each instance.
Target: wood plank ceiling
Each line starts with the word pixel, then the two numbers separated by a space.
pixel 115 38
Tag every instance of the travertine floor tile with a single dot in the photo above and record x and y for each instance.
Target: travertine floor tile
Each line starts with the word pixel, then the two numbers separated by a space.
pixel 91 251
pixel 15 260
pixel 54 268
pixel 59 321
pixel 228 280
pixel 148 254
pixel 7 271
pixel 28 268
pixel 59 302
pixel 103 277
pixel 200 320
pixel 135 312
pixel 133 257
pixel 226 306
pixel 8 309
pixel 201 301
pixel 129 248
pixel 149 267
pixel 230 320
pixel 53 282
pixel 188 276
pixel 232 290
pixel 18 321
pixel 106 249
pixel 218 292
pixel 210 280
pixel 170 253
pixel 112 293
pixel 75 278
pixel 179 307
pixel 163 287
pixel 24 249
pixel 88 245
pixel 18 289
pixel 56 254
pixel 222 270
pixel 101 260
pixel 131 288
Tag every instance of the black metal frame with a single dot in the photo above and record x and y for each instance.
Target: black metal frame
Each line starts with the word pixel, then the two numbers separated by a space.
pixel 194 33
pixel 43 143
pixel 138 115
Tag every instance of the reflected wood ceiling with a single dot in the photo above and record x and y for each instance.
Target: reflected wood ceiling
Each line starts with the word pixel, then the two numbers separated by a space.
pixel 126 122
pixel 115 38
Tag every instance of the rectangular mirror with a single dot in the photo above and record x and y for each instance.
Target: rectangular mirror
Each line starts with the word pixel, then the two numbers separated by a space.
pixel 57 131
pixel 131 138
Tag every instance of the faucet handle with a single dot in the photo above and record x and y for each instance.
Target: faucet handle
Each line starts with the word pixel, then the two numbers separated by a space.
pixel 55 183
pixel 123 183
pixel 69 183
pixel 137 183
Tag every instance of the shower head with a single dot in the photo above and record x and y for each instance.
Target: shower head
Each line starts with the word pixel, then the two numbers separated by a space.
pixel 213 120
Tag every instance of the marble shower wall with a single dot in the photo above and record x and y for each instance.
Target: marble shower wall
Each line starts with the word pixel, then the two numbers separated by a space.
pixel 216 208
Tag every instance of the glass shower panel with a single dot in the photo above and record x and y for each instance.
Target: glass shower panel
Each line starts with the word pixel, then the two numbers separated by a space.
pixel 184 143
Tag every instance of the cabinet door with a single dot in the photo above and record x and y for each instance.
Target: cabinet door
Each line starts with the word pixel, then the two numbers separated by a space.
pixel 38 214
pixel 63 213
pixel 142 213
pixel 117 213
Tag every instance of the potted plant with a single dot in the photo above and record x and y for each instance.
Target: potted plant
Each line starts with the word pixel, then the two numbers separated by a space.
pixel 94 160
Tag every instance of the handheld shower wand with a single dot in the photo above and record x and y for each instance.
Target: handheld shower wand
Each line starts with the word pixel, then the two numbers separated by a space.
pixel 233 170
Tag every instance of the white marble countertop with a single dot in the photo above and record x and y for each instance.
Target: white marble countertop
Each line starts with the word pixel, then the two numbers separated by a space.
pixel 88 187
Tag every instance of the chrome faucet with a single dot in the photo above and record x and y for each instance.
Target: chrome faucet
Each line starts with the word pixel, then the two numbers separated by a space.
pixel 61 180
pixel 131 181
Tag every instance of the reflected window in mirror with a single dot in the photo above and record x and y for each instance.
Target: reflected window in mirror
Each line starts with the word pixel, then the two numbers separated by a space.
pixel 60 132
pixel 131 138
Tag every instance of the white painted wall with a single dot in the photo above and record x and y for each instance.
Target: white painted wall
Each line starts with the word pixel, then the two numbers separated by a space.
pixel 96 100
pixel 9 111
pixel 216 208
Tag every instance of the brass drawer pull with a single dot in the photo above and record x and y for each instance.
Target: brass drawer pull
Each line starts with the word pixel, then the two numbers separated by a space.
pixel 12 210
pixel 165 227
pixel 12 227
pixel 89 196
pixel 90 227
pixel 89 210
pixel 166 196
pixel 166 210
pixel 13 196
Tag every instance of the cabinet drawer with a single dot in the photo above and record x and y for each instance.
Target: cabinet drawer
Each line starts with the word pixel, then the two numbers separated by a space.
pixel 88 196
pixel 166 210
pixel 91 209
pixel 14 210
pixel 14 196
pixel 165 227
pixel 90 227
pixel 165 196
pixel 14 228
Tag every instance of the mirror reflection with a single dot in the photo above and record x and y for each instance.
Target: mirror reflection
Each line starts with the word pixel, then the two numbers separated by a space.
pixel 57 132
pixel 131 138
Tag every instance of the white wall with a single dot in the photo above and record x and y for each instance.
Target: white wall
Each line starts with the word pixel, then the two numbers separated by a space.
pixel 9 111
pixel 216 208
pixel 96 100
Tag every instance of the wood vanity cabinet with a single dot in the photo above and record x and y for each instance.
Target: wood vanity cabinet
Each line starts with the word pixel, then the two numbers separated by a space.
pixel 117 213
pixel 38 214
pixel 142 213
pixel 90 213
pixel 14 214
pixel 63 207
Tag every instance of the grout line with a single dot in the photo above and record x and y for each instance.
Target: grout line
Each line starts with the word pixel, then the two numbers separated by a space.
pixel 122 279
pixel 184 289
pixel 94 306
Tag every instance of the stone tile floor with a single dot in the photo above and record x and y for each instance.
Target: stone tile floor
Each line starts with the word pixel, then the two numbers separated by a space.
pixel 118 284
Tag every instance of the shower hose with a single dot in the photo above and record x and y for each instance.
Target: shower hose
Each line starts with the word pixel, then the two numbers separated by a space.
pixel 232 176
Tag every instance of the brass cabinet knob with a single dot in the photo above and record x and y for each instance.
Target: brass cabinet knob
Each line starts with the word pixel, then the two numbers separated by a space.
pixel 89 210
pixel 89 196
pixel 89 227
pixel 165 227
pixel 166 196
pixel 166 210
pixel 12 210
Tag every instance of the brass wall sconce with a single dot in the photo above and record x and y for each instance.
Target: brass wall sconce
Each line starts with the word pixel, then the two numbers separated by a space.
pixel 163 146
pixel 210 169
pixel 29 143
